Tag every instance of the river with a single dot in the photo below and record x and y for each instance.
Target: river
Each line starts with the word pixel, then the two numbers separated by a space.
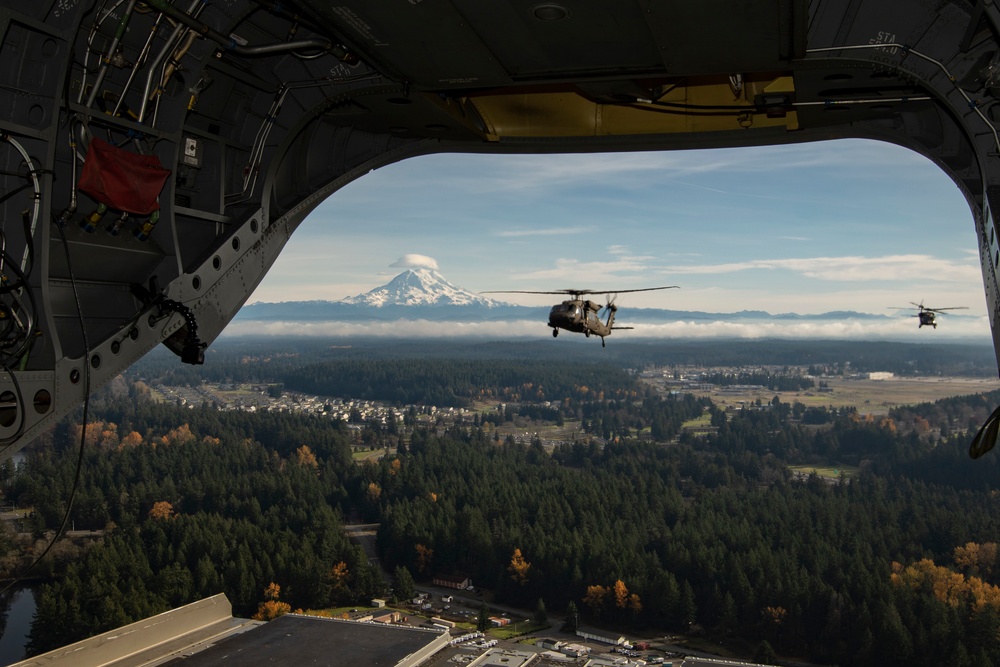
pixel 20 611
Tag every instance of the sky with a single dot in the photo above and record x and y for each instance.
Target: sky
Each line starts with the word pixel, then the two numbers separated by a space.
pixel 842 225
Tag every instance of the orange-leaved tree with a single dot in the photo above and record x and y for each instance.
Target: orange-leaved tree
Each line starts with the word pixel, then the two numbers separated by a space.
pixel 595 598
pixel 271 608
pixel 519 567
pixel 161 510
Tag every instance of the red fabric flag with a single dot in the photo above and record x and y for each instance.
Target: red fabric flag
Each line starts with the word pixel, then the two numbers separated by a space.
pixel 122 180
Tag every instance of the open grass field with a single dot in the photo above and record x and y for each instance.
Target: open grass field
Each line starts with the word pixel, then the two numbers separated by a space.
pixel 517 629
pixel 875 397
pixel 828 472
pixel 702 422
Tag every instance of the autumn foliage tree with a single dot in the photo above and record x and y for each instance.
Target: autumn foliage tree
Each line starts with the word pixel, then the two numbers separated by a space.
pixel 595 599
pixel 304 457
pixel 952 588
pixel 425 556
pixel 271 608
pixel 161 510
pixel 977 559
pixel 621 594
pixel 518 568
pixel 338 581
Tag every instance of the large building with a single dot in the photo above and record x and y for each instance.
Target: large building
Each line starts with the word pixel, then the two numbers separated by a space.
pixel 205 634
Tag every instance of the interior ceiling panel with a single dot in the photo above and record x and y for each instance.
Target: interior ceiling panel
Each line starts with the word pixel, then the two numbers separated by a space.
pixel 718 36
pixel 428 42
pixel 547 39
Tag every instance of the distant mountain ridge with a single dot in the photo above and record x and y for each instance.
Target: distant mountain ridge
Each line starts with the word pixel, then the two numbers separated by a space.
pixel 418 294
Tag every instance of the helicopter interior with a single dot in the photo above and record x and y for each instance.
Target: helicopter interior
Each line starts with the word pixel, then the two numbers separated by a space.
pixel 156 156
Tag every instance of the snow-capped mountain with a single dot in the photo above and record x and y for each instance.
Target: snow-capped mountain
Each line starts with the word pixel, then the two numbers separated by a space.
pixel 420 287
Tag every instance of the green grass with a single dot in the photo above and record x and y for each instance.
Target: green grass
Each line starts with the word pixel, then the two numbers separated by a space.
pixel 517 629
pixel 829 472
pixel 704 421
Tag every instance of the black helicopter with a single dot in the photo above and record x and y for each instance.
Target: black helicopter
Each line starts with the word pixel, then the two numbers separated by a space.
pixel 581 315
pixel 928 315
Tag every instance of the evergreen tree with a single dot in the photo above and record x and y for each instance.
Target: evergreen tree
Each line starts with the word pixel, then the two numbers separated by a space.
pixel 483 619
pixel 405 588
pixel 764 654
pixel 541 616
pixel 572 618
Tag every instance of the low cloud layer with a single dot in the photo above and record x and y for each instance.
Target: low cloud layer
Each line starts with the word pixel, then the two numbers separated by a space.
pixel 965 329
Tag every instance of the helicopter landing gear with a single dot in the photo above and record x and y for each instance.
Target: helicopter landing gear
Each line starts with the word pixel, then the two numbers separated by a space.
pixel 602 341
pixel 587 333
pixel 555 332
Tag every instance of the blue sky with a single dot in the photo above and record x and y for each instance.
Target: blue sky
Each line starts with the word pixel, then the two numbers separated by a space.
pixel 846 225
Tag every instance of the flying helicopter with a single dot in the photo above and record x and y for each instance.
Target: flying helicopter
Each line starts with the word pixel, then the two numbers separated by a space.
pixel 581 315
pixel 928 315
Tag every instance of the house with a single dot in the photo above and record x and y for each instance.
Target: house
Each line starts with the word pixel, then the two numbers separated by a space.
pixel 574 650
pixel 390 617
pixel 615 641
pixel 459 581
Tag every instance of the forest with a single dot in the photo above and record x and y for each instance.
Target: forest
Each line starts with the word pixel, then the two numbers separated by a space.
pixel 639 524
pixel 271 360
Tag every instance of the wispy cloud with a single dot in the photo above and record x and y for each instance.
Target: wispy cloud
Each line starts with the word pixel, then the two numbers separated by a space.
pixel 888 267
pixel 620 263
pixel 551 231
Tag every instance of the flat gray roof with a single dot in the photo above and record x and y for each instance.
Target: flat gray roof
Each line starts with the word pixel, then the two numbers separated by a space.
pixel 293 639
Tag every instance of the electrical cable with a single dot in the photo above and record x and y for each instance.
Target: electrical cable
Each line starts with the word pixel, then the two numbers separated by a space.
pixel 83 429
pixel 700 107
pixel 260 140
pixel 734 111
pixel 33 174
pixel 906 50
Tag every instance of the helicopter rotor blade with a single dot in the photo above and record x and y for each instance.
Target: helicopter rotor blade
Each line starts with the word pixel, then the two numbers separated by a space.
pixel 523 291
pixel 579 292
pixel 643 289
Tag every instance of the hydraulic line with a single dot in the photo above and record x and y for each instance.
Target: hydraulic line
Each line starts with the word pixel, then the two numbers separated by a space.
pixel 122 27
pixel 229 44
pixel 169 67
pixel 139 63
pixel 260 140
pixel 33 174
pixel 974 105
pixel 98 22
pixel 195 9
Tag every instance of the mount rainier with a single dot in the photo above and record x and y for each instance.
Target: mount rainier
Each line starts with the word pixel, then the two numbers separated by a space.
pixel 420 287
pixel 413 294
